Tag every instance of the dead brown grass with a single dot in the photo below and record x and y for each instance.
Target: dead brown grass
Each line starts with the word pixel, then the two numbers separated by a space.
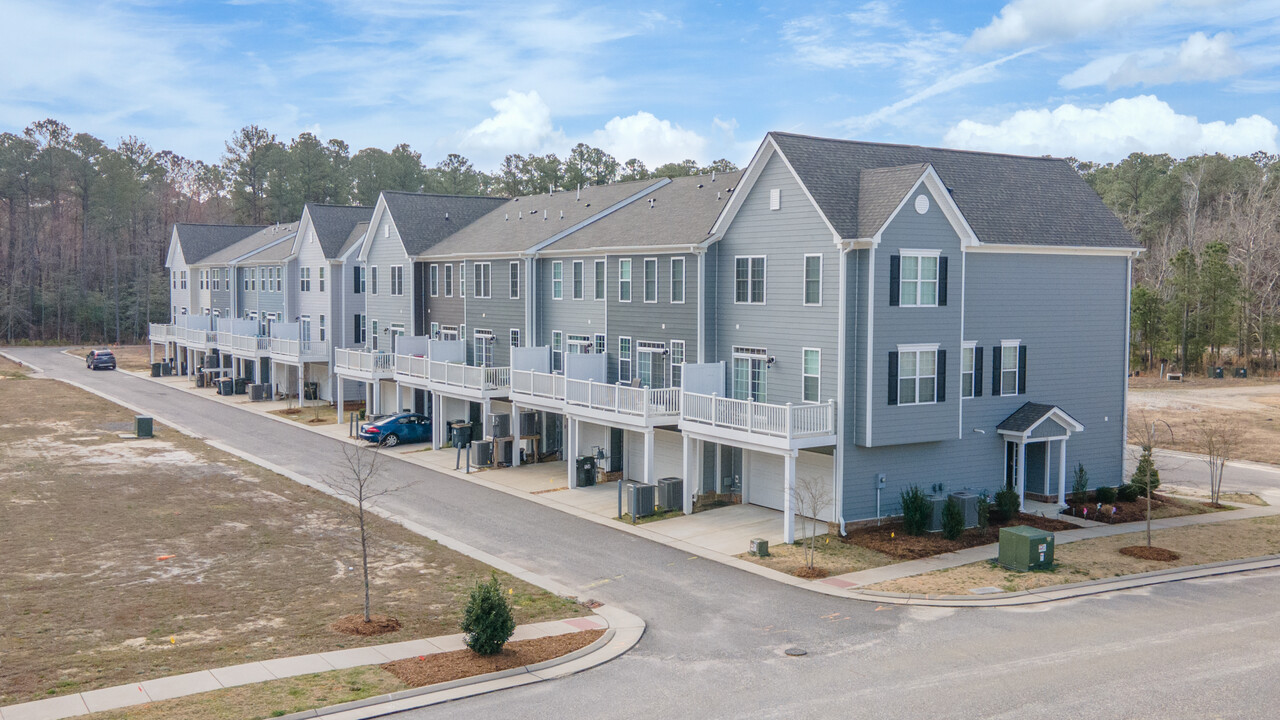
pixel 309 415
pixel 11 369
pixel 128 357
pixel 1258 431
pixel 832 557
pixel 261 566
pixel 1100 558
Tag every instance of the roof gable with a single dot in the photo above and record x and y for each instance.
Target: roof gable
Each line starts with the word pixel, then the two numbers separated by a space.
pixel 1025 420
pixel 199 241
pixel 424 219
pixel 332 226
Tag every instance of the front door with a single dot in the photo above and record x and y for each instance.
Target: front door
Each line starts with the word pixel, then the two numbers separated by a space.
pixel 1010 465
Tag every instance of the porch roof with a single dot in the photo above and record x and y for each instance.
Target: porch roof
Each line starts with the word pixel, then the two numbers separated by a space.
pixel 1026 418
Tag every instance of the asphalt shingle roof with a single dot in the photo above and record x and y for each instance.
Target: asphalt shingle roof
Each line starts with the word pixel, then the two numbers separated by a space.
pixel 520 223
pixel 1006 199
pixel 254 246
pixel 425 219
pixel 881 191
pixel 1024 417
pixel 682 213
pixel 333 224
pixel 199 241
pixel 354 238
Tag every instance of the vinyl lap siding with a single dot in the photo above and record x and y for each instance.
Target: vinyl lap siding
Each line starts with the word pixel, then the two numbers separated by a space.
pixel 660 322
pixel 499 312
pixel 384 307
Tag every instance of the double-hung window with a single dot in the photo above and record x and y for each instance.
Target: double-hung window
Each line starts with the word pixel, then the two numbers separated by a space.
pixel 397 279
pixel 462 280
pixel 968 369
pixel 917 374
pixel 677 280
pixel 599 344
pixel 433 280
pixel 749 280
pixel 677 363
pixel 253 279
pixel 557 351
pixel 373 326
pixel 811 369
pixel 357 329
pixel 579 269
pixel 515 338
pixel 484 277
pixel 1009 350
pixel 919 279
pixel 321 278
pixel 557 280
pixel 448 280
pixel 184 279
pixel 373 282
pixel 651 280
pixel 244 280
pixel 304 279
pixel 812 279
pixel 624 280
pixel 624 359
pixel 323 330
pixel 514 293
pixel 357 279
pixel 600 279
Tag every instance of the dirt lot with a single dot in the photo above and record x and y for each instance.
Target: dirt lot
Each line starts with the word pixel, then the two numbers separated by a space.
pixel 1251 407
pixel 310 415
pixel 1100 558
pixel 128 357
pixel 260 566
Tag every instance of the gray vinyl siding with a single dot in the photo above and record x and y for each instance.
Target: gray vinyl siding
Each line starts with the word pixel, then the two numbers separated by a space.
pixel 659 322
pixel 499 312
pixel 442 309
pixel 385 308
pixel 314 302
pixel 347 302
pixel 259 300
pixel 220 298
pixel 783 324
pixel 1069 311
pixel 587 316
pixel 899 325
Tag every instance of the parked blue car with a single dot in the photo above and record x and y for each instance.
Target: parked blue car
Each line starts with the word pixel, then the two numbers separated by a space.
pixel 396 429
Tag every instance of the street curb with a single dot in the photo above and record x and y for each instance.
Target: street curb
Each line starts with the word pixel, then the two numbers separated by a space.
pixel 23 363
pixel 624 632
pixel 1023 597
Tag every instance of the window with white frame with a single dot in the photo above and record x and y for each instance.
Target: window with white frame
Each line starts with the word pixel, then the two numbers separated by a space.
pixel 397 279
pixel 373 280
pixel 600 344
pixel 357 279
pixel 652 364
pixel 323 330
pixel 433 280
pixel 305 332
pixel 624 359
pixel 812 372
pixel 483 348
pixel 448 280
pixel 624 280
pixel 749 368
pixel 173 279
pixel 677 280
pixel 244 280
pixel 579 344
pixel 677 363
pixel 812 279
pixel 1009 367
pixel 557 280
pixel 304 279
pixel 214 279
pixel 462 280
pixel 483 273
pixel 394 333
pixel 449 332
pixel 373 326
pixel 749 280
pixel 321 277
pixel 253 279
pixel 579 279
pixel 917 374
pixel 514 292
pixel 557 351
pixel 919 279
pixel 357 329
pixel 599 279
pixel 515 337
pixel 651 280
pixel 435 331
pixel 182 278
pixel 968 375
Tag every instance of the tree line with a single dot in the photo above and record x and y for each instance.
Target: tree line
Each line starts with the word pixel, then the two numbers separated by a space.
pixel 86 225
pixel 1207 288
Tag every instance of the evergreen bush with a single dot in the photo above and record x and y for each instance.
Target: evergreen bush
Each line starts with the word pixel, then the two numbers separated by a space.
pixel 952 520
pixel 1129 492
pixel 1007 503
pixel 487 622
pixel 1145 465
pixel 916 510
pixel 1105 494
pixel 1080 485
pixel 984 511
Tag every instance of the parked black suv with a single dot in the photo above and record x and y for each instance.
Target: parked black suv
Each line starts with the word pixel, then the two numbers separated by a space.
pixel 98 359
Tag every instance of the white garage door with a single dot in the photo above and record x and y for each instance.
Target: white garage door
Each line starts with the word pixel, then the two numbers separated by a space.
pixel 765 483
pixel 668 454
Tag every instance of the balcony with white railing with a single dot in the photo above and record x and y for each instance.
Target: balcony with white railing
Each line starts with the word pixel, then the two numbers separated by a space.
pixel 196 337
pixel 367 364
pixel 538 387
pixel 222 338
pixel 293 351
pixel 249 345
pixel 623 403
pixel 478 382
pixel 783 426
pixel 161 333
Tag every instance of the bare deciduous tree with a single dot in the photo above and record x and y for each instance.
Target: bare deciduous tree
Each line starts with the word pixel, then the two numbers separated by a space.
pixel 811 495
pixel 1216 440
pixel 1145 435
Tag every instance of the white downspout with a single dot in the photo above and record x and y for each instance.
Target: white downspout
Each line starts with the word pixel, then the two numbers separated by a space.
pixel 702 306
pixel 842 333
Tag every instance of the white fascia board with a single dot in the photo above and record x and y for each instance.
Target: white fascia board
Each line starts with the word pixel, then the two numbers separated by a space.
pixel 452 257
pixel 929 178
pixel 748 180
pixel 303 224
pixel 536 249
pixel 626 250
pixel 996 248
pixel 175 250
pixel 378 209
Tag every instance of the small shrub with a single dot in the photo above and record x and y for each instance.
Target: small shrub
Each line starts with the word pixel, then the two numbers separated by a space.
pixel 984 511
pixel 487 621
pixel 1146 466
pixel 1129 492
pixel 952 520
pixel 1007 503
pixel 915 510
pixel 1080 485
pixel 1105 495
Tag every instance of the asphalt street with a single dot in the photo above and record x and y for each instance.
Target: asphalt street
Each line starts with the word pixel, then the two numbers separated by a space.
pixel 714 647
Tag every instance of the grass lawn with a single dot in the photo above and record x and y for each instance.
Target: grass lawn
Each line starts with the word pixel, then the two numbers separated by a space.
pixel 260 565
pixel 831 555
pixel 1100 558
pixel 128 357
pixel 10 369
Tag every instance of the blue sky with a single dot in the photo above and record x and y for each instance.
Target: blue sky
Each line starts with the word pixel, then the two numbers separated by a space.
pixel 660 80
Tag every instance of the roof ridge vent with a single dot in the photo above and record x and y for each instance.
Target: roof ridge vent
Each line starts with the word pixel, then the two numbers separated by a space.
pixel 506 217
pixel 446 216
pixel 520 215
pixel 578 197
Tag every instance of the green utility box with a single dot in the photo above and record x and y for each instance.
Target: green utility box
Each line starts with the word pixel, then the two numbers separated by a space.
pixel 142 426
pixel 759 547
pixel 1024 548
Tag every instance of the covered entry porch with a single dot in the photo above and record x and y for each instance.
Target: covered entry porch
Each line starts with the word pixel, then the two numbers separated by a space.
pixel 1035 451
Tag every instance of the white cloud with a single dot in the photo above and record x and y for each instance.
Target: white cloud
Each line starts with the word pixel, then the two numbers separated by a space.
pixel 871 35
pixel 1024 22
pixel 522 124
pixel 1110 132
pixel 652 140
pixel 1199 58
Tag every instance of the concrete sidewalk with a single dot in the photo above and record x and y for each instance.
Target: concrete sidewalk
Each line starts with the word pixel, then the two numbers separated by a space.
pixel 206 680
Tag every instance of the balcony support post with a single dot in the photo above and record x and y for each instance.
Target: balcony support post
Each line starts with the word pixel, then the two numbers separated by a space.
pixel 437 421
pixel 788 505
pixel 571 445
pixel 487 420
pixel 301 377
pixel 152 347
pixel 516 444
pixel 689 473
pixel 648 456
pixel 337 392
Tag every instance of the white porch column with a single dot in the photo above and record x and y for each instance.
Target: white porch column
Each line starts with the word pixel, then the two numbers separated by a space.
pixel 338 399
pixel 788 505
pixel 437 421
pixel 516 444
pixel 152 348
pixel 399 397
pixel 1062 474
pixel 301 375
pixel 487 408
pixel 571 445
pixel 689 474
pixel 1022 475
pixel 648 456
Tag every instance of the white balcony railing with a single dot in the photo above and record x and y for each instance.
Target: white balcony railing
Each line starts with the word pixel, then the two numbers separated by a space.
pixel 454 374
pixel 295 349
pixel 364 361
pixel 623 399
pixel 537 384
pixel 414 366
pixel 255 345
pixel 161 333
pixel 223 339
pixel 782 421
pixel 195 336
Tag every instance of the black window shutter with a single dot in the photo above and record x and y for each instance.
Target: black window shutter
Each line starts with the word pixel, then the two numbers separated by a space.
pixel 995 370
pixel 355 329
pixel 895 275
pixel 942 375
pixel 1022 369
pixel 893 377
pixel 942 281
pixel 977 372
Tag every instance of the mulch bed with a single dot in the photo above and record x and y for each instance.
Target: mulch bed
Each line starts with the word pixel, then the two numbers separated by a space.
pixel 443 667
pixel 807 573
pixel 890 539
pixel 355 625
pixel 1123 511
pixel 1143 552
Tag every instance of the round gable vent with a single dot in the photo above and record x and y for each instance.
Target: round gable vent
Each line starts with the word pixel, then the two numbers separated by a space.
pixel 922 204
